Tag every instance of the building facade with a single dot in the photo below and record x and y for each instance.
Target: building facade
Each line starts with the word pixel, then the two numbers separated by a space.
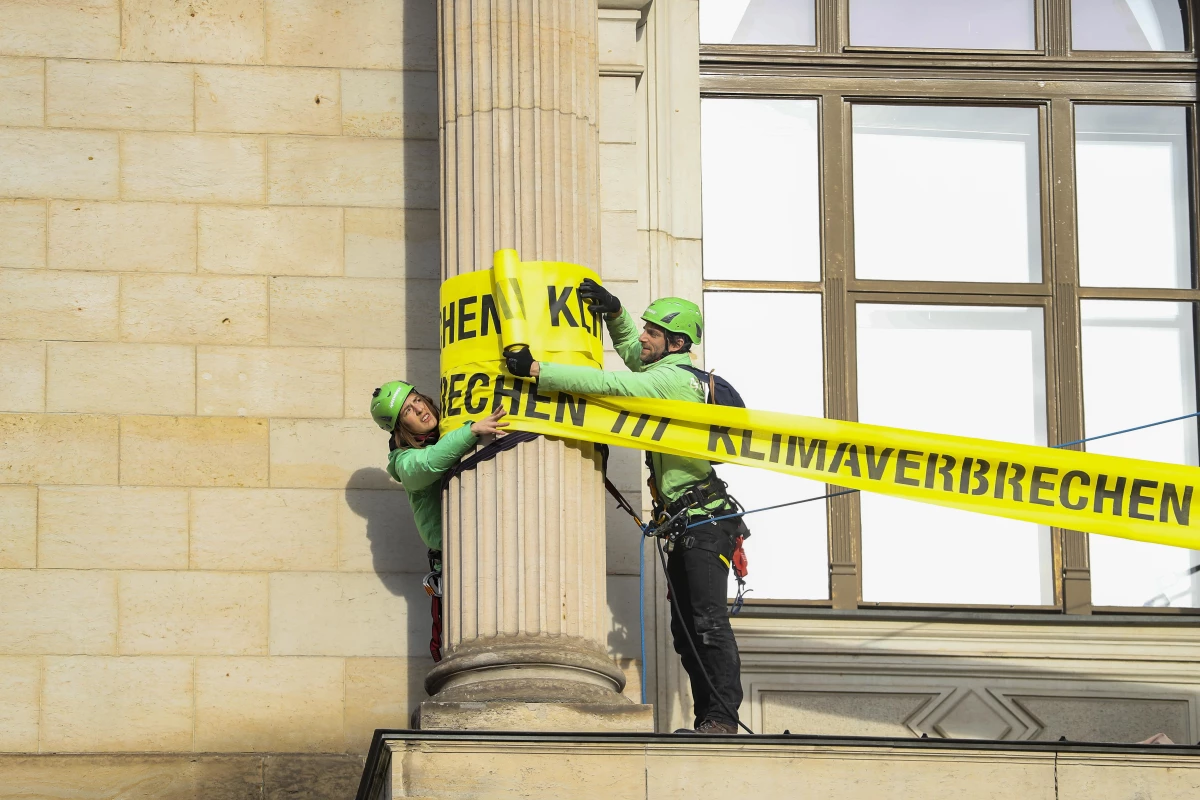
pixel 225 222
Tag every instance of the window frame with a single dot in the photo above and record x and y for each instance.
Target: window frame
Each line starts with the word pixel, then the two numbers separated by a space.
pixel 1052 41
pixel 1054 80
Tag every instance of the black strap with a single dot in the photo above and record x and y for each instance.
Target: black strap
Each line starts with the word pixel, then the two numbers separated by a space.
pixel 690 541
pixel 486 453
pixel 507 442
pixel 622 503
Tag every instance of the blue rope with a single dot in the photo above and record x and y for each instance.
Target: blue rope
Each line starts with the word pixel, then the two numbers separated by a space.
pixel 707 520
pixel 642 608
pixel 1127 430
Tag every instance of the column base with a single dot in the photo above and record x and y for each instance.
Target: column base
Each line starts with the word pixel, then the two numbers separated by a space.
pixel 530 683
pixel 504 715
pixel 527 669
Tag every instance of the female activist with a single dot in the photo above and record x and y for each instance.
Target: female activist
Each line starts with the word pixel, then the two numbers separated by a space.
pixel 417 458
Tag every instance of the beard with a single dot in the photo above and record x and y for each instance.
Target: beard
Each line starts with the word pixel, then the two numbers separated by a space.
pixel 650 355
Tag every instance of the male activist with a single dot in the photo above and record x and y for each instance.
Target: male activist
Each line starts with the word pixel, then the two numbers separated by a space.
pixel 699 562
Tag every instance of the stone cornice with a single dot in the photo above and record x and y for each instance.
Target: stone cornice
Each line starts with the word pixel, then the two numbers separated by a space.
pixel 969 640
pixel 624 5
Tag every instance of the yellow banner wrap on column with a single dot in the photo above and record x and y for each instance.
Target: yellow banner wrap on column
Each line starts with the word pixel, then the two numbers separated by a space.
pixel 1142 500
pixel 531 302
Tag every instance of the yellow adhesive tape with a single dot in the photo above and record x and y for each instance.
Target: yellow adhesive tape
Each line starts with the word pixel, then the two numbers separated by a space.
pixel 1142 500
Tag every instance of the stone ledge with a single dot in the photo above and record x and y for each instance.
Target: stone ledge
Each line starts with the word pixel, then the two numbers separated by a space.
pixel 475 764
pixel 510 716
pixel 182 776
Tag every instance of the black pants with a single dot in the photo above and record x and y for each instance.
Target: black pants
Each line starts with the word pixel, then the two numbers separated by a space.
pixel 701 583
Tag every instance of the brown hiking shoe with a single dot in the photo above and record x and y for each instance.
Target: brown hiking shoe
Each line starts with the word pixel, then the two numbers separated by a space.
pixel 716 728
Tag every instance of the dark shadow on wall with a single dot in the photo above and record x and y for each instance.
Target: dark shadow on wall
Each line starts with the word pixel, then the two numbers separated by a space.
pixel 398 558
pixel 397 552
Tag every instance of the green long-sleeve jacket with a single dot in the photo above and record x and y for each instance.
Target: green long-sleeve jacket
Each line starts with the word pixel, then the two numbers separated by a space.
pixel 420 470
pixel 662 380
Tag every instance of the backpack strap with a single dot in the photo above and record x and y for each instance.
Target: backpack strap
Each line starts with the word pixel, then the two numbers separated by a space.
pixel 711 379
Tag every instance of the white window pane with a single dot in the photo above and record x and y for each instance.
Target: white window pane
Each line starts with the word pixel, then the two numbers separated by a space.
pixel 946 193
pixel 1131 186
pixel 1126 25
pixel 761 189
pixel 789 559
pixel 758 22
pixel 969 371
pixel 1157 337
pixel 951 24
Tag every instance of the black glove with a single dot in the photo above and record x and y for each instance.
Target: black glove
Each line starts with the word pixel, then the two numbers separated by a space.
pixel 600 298
pixel 519 359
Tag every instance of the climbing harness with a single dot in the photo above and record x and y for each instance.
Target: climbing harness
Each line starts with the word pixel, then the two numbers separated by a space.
pixel 696 506
pixel 701 501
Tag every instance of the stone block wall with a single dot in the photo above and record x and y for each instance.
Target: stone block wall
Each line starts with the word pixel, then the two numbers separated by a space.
pixel 218 233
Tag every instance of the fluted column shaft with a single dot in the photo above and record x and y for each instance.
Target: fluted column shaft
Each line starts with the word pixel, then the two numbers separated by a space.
pixel 520 146
pixel 523 534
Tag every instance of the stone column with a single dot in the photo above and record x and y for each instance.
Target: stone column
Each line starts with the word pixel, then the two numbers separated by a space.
pixel 524 550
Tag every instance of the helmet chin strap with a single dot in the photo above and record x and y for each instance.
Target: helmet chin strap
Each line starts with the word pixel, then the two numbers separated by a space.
pixel 666 352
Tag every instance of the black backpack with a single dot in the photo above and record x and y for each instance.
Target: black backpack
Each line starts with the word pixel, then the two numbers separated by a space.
pixel 718 391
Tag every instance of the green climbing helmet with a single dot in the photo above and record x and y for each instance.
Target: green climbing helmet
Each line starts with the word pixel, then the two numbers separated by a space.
pixel 387 401
pixel 677 316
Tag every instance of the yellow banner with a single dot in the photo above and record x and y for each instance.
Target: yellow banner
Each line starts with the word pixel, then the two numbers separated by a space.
pixel 531 302
pixel 1143 500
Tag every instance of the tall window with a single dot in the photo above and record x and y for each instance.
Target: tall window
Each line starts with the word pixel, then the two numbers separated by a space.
pixel 907 201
